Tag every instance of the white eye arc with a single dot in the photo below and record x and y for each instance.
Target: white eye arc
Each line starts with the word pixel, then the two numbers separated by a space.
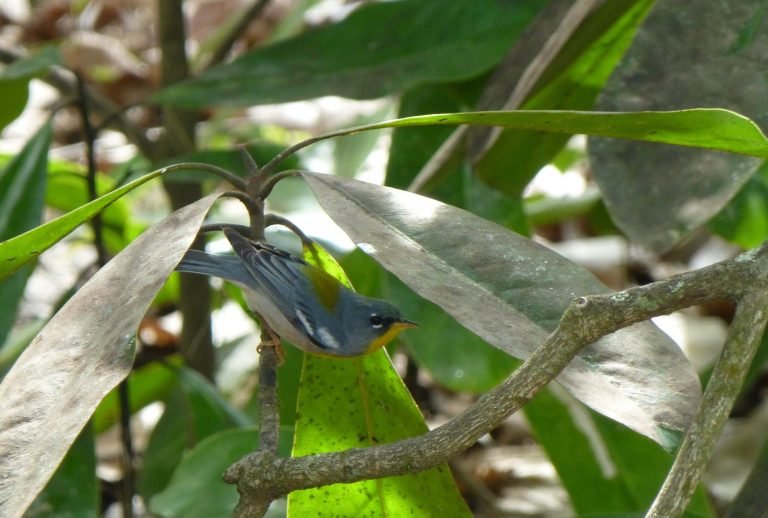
pixel 376 321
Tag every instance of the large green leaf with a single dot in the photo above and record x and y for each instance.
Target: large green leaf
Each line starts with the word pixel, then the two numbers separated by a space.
pixel 572 82
pixel 671 66
pixel 196 489
pixel 709 128
pixel 194 410
pixel 511 292
pixel 599 453
pixel 350 403
pixel 380 49
pixel 22 191
pixel 359 403
pixel 83 352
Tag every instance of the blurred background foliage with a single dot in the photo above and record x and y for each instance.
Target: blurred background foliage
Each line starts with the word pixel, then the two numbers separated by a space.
pixel 268 74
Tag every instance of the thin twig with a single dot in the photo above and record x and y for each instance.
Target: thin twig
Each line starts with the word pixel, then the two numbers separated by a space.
pixel 127 486
pixel 744 336
pixel 274 219
pixel 233 179
pixel 218 227
pixel 89 138
pixel 262 477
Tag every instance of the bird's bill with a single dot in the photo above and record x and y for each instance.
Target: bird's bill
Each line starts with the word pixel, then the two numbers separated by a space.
pixel 405 324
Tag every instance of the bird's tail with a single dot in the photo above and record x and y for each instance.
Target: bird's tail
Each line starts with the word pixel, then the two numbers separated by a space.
pixel 224 266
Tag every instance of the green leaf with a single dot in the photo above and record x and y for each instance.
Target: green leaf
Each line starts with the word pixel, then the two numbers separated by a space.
pixel 196 489
pixel 744 220
pixel 387 47
pixel 22 191
pixel 33 65
pixel 572 81
pixel 149 383
pixel 709 128
pixel 194 410
pixel 318 256
pixel 17 251
pixel 83 352
pixel 69 190
pixel 73 491
pixel 354 403
pixel 687 187
pixel 350 403
pixel 349 154
pixel 14 93
pixel 598 452
pixel 14 81
pixel 511 292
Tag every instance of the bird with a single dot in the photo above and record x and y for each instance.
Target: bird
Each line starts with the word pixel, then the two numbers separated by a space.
pixel 300 302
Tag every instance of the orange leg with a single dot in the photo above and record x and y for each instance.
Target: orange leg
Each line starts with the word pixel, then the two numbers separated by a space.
pixel 270 339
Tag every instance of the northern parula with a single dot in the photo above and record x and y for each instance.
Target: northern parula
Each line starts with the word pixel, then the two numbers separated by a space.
pixel 299 301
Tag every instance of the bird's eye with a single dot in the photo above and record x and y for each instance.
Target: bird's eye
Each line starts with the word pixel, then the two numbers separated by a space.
pixel 376 321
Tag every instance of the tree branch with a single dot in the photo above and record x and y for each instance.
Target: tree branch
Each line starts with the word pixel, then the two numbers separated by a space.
pixel 262 477
pixel 744 336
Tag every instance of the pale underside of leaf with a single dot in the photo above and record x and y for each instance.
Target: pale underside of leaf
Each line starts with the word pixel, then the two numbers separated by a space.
pixel 85 350
pixel 511 292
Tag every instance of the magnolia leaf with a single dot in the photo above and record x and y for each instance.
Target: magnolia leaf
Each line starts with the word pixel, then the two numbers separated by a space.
pixel 22 192
pixel 659 195
pixel 83 352
pixel 511 292
pixel 388 47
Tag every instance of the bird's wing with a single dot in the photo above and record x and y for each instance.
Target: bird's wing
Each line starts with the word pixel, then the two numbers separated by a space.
pixel 283 277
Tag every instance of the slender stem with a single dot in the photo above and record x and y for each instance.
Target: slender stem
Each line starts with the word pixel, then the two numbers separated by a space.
pixel 126 440
pixel 218 227
pixel 89 138
pixel 744 336
pixel 233 179
pixel 273 219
